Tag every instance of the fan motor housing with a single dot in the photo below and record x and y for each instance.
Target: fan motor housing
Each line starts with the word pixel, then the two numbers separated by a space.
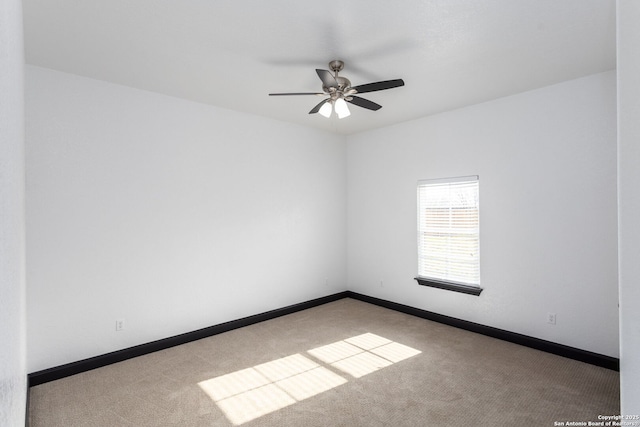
pixel 343 83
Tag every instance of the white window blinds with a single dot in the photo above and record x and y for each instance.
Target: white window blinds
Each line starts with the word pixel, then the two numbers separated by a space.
pixel 449 230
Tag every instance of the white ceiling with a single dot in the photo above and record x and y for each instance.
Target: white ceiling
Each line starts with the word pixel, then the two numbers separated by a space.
pixel 232 53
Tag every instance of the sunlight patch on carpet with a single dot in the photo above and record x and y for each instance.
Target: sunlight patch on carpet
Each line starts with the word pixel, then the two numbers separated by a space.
pixel 250 393
pixel 361 364
pixel 368 341
pixel 363 354
pixel 333 352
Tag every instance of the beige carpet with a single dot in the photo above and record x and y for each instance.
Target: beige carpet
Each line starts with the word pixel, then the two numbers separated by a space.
pixel 346 363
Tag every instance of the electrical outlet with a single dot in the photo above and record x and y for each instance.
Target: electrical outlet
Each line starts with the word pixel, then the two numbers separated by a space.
pixel 551 318
pixel 119 324
pixel 381 283
pixel 326 281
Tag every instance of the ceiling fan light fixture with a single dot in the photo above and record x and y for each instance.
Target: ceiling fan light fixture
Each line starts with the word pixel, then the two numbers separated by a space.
pixel 339 92
pixel 342 110
pixel 326 109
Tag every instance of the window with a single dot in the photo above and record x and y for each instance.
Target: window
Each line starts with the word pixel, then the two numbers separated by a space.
pixel 449 234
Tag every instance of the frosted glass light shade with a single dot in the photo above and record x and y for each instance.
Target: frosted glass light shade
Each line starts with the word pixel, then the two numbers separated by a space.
pixel 325 110
pixel 342 110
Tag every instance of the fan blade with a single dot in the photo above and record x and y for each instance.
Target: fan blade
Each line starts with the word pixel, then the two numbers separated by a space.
pixel 365 103
pixel 296 93
pixel 327 78
pixel 372 87
pixel 317 107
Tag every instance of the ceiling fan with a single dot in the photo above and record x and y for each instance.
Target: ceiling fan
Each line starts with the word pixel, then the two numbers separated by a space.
pixel 339 91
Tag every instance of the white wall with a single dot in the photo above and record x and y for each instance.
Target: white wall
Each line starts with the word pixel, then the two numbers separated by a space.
pixel 141 206
pixel 547 166
pixel 13 374
pixel 170 214
pixel 628 39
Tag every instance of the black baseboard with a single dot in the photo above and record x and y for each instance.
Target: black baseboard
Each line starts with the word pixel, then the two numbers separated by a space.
pixel 73 368
pixel 28 399
pixel 527 341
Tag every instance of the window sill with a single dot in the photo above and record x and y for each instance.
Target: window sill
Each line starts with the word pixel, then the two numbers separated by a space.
pixel 450 286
